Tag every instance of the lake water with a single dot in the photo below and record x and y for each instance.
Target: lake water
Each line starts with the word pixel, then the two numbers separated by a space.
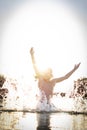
pixel 24 109
pixel 42 121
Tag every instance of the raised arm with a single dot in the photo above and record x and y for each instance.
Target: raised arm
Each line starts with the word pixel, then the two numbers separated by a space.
pixel 68 74
pixel 34 62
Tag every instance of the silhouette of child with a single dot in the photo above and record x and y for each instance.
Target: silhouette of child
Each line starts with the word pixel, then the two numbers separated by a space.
pixel 46 82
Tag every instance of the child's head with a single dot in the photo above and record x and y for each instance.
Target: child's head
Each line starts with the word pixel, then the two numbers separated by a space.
pixel 47 74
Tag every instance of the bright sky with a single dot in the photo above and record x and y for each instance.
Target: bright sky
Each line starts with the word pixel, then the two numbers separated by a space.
pixel 55 32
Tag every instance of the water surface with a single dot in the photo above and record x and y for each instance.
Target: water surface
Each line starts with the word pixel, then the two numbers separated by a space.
pixel 42 121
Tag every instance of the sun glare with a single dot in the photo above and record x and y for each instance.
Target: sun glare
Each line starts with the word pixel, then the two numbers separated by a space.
pixel 52 29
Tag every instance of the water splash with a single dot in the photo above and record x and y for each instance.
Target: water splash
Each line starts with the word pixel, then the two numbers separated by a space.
pixel 27 99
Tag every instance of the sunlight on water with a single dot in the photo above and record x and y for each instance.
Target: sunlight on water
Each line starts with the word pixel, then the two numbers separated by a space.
pixel 42 121
pixel 25 108
pixel 30 99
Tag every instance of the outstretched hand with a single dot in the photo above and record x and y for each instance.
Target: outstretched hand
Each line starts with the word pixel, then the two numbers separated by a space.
pixel 76 66
pixel 31 51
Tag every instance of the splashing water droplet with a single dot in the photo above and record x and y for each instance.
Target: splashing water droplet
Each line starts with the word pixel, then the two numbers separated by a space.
pixel 25 98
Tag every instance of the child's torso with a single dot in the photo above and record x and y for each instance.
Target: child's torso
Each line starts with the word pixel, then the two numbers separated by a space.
pixel 46 86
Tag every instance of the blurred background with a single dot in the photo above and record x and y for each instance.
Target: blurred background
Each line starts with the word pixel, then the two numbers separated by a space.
pixel 56 29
